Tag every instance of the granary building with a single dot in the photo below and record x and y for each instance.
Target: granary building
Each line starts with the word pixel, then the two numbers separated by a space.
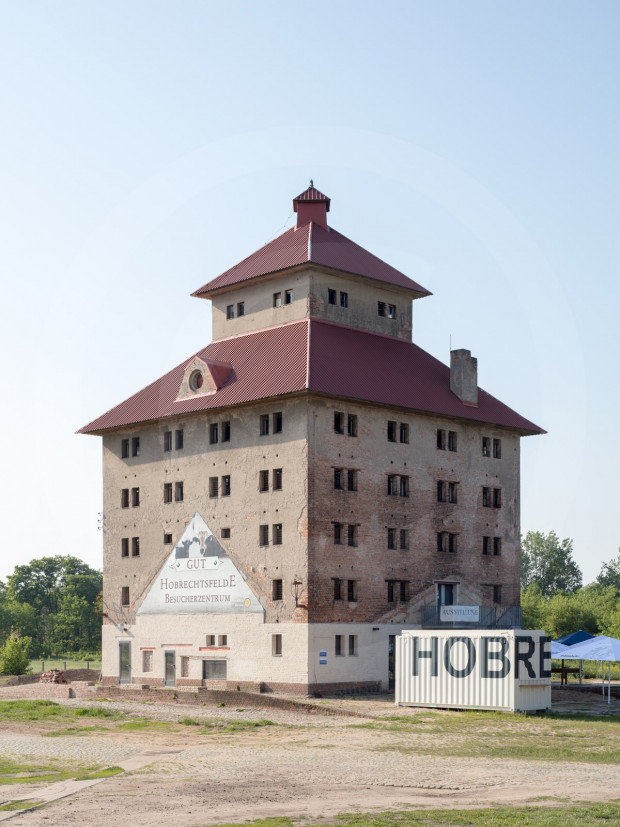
pixel 291 497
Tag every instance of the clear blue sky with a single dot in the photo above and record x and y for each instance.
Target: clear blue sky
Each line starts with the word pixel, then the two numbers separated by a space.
pixel 147 146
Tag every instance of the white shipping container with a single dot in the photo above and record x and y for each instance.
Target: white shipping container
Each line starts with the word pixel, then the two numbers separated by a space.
pixel 509 670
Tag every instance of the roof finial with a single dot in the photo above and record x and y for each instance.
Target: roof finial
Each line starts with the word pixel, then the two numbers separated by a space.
pixel 311 183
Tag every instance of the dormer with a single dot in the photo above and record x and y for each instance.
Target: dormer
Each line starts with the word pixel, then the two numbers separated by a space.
pixel 203 377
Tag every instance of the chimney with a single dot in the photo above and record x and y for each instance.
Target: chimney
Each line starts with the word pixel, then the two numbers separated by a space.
pixel 311 205
pixel 464 376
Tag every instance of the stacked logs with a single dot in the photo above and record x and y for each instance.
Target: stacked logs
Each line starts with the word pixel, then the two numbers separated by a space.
pixel 53 676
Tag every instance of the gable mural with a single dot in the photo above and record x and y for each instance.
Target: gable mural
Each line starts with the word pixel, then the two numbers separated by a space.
pixel 199 577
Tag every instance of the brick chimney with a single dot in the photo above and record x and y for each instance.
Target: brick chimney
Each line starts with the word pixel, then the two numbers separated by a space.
pixel 311 205
pixel 464 376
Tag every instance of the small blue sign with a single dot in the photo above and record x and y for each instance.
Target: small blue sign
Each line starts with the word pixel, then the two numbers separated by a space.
pixel 323 662
pixel 322 654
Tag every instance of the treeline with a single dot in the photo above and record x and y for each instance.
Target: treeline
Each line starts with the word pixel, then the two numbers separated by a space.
pixel 50 604
pixel 553 596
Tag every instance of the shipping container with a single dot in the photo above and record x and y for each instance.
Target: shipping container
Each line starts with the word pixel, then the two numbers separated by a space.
pixel 474 669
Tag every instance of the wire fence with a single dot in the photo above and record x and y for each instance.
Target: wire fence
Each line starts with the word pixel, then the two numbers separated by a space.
pixel 64 664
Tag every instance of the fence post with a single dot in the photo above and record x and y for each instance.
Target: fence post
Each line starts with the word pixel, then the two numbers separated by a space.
pixel 65 669
pixel 87 665
pixel 42 666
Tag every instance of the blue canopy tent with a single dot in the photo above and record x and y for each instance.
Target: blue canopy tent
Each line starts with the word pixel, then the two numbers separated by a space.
pixel 603 648
pixel 569 640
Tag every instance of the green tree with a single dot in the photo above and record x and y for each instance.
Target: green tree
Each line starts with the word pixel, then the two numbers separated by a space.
pixel 567 613
pixel 610 573
pixel 14 658
pixel 548 562
pixel 534 606
pixel 41 582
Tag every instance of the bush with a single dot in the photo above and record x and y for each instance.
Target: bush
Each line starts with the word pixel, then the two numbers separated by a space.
pixel 14 658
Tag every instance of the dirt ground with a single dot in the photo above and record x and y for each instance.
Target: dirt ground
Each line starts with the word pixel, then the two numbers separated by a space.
pixel 308 766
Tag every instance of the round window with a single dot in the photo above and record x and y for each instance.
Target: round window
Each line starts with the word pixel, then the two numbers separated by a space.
pixel 196 380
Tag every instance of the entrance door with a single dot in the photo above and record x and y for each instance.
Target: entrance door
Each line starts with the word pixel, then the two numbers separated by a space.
pixel 445 594
pixel 170 677
pixel 391 663
pixel 124 662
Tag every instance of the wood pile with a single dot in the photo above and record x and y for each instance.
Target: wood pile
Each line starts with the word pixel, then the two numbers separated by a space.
pixel 53 676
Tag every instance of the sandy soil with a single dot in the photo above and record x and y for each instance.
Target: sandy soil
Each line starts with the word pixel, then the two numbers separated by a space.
pixel 310 767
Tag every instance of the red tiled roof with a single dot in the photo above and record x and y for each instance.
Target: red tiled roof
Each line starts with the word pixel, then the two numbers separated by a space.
pixel 342 362
pixel 311 244
pixel 311 194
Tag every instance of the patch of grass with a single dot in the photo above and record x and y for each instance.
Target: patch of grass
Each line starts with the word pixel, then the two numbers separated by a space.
pixel 145 723
pixel 586 815
pixel 228 727
pixel 189 722
pixel 19 804
pixel 32 710
pixel 13 773
pixel 107 772
pixel 497 735
pixel 93 712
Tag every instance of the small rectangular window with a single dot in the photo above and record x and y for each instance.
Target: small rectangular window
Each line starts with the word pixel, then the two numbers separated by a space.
pixel 214 433
pixel 404 432
pixel 276 645
pixel 124 595
pixel 331 296
pixel 352 645
pixel 277 422
pixel 125 498
pixel 497 498
pixel 230 311
pixel 226 485
pixel 277 299
pixel 135 446
pixel 404 486
pixel 263 480
pixel 440 542
pixel 178 439
pixel 352 425
pixel 338 478
pixel 135 546
pixel 167 492
pixel 337 589
pixel 135 497
pixel 352 535
pixel 276 590
pixel 264 425
pixel 167 539
pixel 339 645
pixel 486 545
pixel 338 422
pixel 263 535
pixel 391 485
pixel 225 534
pixel 391 311
pixel 352 480
pixel 277 534
pixel 352 591
pixel 497 594
pixel 451 440
pixel 125 547
pixel 390 591
pixel 288 297
pixel 124 448
pixel 391 431
pixel 222 640
pixel 452 543
pixel 178 492
pixel 486 446
pixel 337 534
pixel 441 492
pixel 211 640
pixel 213 486
pixel 452 489
pixel 184 666
pixel 240 308
pixel 344 299
pixel 391 538
pixel 147 661
pixel 404 538
pixel 226 431
pixel 441 439
pixel 497 546
pixel 167 440
pixel 497 448
pixel 277 479
pixel 403 596
pixel 486 497
pixel 381 308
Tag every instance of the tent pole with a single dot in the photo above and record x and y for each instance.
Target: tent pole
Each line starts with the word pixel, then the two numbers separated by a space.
pixel 603 676
pixel 609 683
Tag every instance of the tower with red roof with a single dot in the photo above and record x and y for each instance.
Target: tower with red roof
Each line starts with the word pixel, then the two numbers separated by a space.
pixel 309 484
